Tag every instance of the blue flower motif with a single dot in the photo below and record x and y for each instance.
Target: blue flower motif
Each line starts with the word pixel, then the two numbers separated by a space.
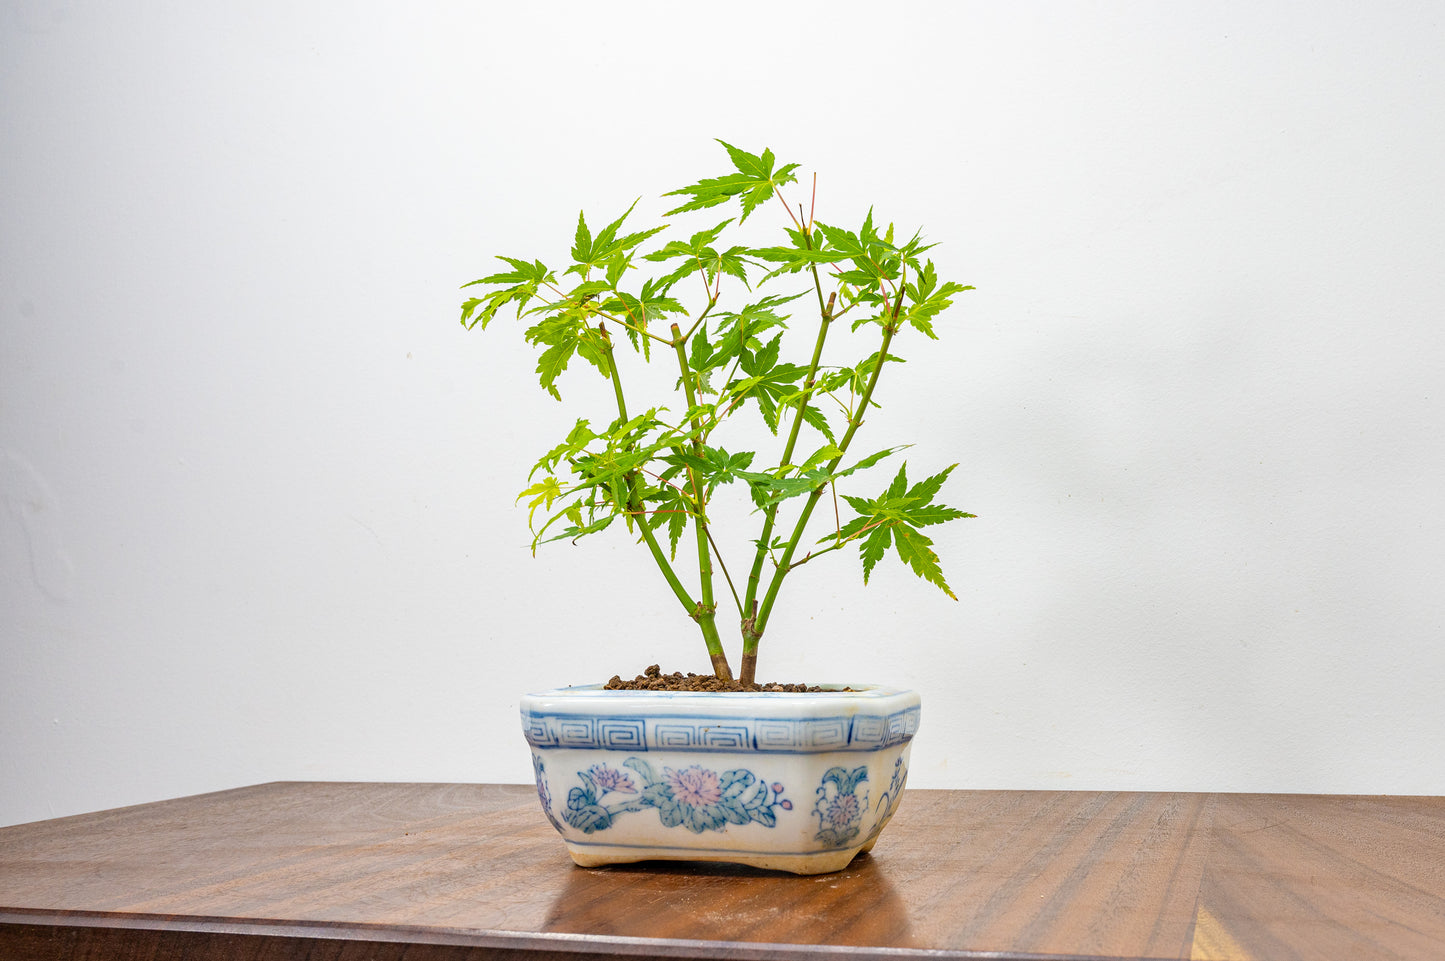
pixel 695 797
pixel 839 808
pixel 610 779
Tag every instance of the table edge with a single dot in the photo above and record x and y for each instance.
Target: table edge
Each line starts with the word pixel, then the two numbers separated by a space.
pixel 540 942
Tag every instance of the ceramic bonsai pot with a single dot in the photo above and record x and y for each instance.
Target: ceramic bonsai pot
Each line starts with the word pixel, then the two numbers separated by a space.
pixel 788 782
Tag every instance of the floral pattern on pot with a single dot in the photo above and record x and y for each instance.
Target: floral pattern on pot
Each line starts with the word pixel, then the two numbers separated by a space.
pixel 697 798
pixel 539 771
pixel 839 808
pixel 888 803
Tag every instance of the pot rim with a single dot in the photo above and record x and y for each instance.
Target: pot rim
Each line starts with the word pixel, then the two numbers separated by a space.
pixel 872 718
pixel 831 690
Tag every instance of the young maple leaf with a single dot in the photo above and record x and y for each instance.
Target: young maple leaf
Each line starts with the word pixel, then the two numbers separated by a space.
pixel 927 299
pixel 893 518
pixel 521 284
pixel 589 252
pixel 752 183
pixel 698 254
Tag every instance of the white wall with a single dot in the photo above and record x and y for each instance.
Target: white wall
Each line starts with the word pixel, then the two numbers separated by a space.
pixel 258 482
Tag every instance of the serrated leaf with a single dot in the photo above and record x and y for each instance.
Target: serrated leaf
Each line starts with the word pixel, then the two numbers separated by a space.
pixel 752 183
pixel 769 489
pixel 899 487
pixel 825 453
pixel 897 514
pixel 590 252
pixel 928 488
pixel 739 331
pixel 764 360
pixel 468 307
pixel 768 387
pixel 668 506
pixel 552 363
pixel 925 299
pixel 564 335
pixel 701 351
pixel 816 420
pixel 874 546
pixel 577 533
pixel 872 459
pixel 576 441
pixel 806 250
pixel 525 280
pixel 935 514
pixel 916 550
pixel 640 311
pixel 689 248
pixel 616 267
pixel 582 243
pixel 521 273
pixel 543 493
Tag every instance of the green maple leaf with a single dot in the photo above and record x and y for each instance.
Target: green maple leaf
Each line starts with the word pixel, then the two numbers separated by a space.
pixel 873 259
pixel 925 299
pixel 818 421
pixel 576 441
pixel 590 252
pixel 803 252
pixel 698 254
pixel 916 550
pixel 712 466
pixel 893 518
pixel 770 383
pixel 752 183
pixel 521 284
pixel 720 467
pixel 641 309
pixel 872 550
pixel 578 530
pixel 778 485
pixel 606 468
pixel 700 351
pixel 565 335
pixel 737 331
pixel 669 506
pixel 543 493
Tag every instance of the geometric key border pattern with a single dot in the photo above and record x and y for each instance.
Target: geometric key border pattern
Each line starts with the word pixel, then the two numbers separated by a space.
pixel 859 732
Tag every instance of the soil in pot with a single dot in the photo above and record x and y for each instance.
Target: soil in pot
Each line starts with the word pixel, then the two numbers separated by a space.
pixel 654 680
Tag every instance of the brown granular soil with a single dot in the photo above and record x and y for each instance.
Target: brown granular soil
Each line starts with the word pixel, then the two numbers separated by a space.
pixel 654 680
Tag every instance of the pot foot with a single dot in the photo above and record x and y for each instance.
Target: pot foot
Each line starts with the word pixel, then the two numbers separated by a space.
pixel 823 862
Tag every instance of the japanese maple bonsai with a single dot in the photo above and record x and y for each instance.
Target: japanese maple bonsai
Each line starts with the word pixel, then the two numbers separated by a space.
pixel 701 309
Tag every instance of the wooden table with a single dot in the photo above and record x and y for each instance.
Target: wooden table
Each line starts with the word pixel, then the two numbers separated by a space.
pixel 424 872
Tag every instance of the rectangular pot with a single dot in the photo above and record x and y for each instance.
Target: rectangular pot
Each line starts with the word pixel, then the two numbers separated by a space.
pixel 791 782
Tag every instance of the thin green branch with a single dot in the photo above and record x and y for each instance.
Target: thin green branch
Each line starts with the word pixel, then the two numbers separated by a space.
pixel 700 318
pixel 705 617
pixel 760 619
pixel 750 627
pixel 634 506
pixel 726 576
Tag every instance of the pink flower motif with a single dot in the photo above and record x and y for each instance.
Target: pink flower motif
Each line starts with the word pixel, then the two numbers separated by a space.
pixel 694 786
pixel 611 779
pixel 842 810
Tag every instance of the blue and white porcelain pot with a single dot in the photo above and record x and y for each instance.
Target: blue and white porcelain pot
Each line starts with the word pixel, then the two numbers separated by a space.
pixel 789 782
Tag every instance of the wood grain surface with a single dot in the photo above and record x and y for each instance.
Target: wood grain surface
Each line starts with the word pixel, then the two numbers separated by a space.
pixel 425 872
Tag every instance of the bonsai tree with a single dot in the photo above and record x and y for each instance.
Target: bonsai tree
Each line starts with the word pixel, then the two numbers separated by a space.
pixel 701 309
